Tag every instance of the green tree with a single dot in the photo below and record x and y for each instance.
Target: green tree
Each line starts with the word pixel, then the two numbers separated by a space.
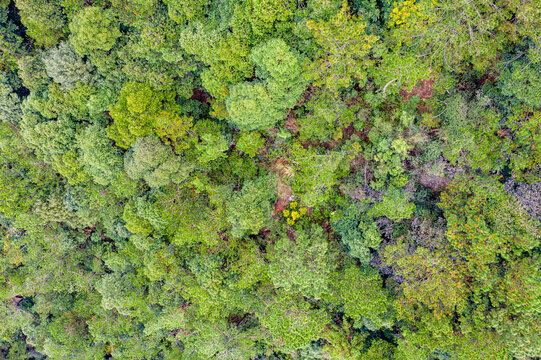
pixel 182 10
pixel 280 68
pixel 251 108
pixel 291 321
pixel 135 223
pixel 395 205
pixel 301 265
pixel 10 103
pixel 93 29
pixel 260 104
pixel 100 158
pixel 315 172
pixel 55 143
pixel 223 49
pixel 44 20
pixel 523 82
pixel 343 51
pixel 249 209
pixel 456 33
pixel 430 279
pixel 363 297
pixel 10 41
pixel 271 16
pixel 223 341
pixel 357 231
pixel 32 72
pixel 134 113
pixel 122 291
pixel 65 67
pixel 155 162
pixel 470 130
pixel 250 143
pixel 325 117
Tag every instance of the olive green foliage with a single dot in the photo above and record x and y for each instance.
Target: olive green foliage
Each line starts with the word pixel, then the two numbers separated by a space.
pixel 394 204
pixel 251 107
pixel 358 232
pixel 325 118
pixel 223 47
pixel 316 173
pixel 291 321
pixel 10 40
pixel 270 179
pixel 55 142
pixel 523 82
pixel 182 10
pixel 32 72
pixel 250 143
pixel 363 298
pixel 452 24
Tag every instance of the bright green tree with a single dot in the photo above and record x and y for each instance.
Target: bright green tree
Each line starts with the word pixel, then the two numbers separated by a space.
pixel 260 104
pixel 134 113
pixel 250 209
pixel 93 29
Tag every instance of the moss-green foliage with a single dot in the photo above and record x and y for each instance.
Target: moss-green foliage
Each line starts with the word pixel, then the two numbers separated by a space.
pixel 250 143
pixel 394 204
pixel 363 298
pixel 325 117
pixel 471 132
pixel 343 49
pixel 182 10
pixel 32 72
pixel 357 231
pixel 270 179
pixel 101 160
pixel 523 82
pixel 316 172
pixel 10 39
pixel 54 142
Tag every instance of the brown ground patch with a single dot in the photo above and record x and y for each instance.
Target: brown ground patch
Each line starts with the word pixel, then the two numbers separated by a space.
pixel 291 123
pixel 283 190
pixel 423 90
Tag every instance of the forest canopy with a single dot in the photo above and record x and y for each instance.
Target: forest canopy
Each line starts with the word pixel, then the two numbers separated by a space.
pixel 270 179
